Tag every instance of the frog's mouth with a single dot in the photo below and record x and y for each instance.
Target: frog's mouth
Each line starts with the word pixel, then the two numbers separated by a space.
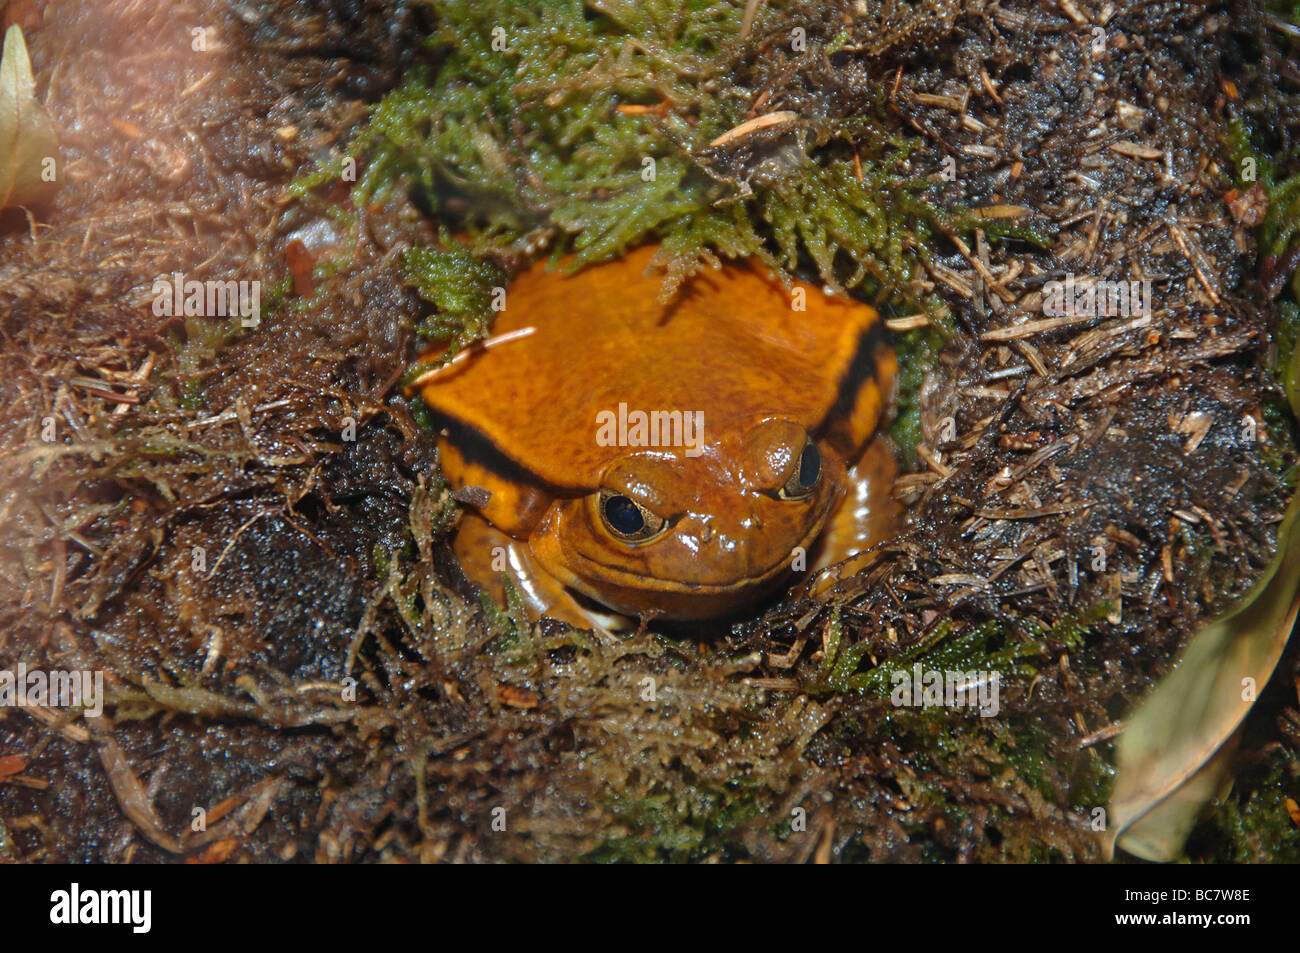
pixel 634 592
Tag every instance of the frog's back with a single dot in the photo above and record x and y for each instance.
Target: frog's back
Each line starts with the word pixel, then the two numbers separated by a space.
pixel 731 346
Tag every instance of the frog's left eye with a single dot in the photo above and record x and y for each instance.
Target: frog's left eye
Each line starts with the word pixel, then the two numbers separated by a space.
pixel 627 519
pixel 805 476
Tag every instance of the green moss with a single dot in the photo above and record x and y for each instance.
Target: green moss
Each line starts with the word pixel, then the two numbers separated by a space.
pixel 1255 160
pixel 1249 152
pixel 680 822
pixel 917 350
pixel 419 410
pixel 192 396
pixel 1281 221
pixel 1254 821
pixel 276 295
pixel 983 647
pixel 461 288
pixel 1285 335
pixel 946 745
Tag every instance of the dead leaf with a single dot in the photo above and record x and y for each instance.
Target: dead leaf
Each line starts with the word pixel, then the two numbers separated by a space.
pixel 28 148
pixel 1248 208
pixel 1159 834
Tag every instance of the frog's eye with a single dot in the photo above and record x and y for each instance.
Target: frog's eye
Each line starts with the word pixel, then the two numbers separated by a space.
pixel 628 519
pixel 805 476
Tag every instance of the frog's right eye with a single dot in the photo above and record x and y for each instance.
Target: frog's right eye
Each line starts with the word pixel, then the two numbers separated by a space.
pixel 627 519
pixel 805 476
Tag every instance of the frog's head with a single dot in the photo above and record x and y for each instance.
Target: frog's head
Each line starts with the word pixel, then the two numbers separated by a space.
pixel 693 536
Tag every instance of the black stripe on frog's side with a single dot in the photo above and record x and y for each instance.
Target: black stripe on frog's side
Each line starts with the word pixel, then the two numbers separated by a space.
pixel 862 368
pixel 478 450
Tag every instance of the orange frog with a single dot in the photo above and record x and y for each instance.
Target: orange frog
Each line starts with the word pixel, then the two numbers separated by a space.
pixel 680 460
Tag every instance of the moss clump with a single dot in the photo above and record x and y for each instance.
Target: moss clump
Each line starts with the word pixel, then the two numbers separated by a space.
pixel 457 283
pixel 461 288
pixel 679 823
pixel 917 350
pixel 597 126
pixel 984 647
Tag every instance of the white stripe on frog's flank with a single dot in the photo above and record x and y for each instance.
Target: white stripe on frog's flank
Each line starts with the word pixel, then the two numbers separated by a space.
pixel 485 345
pixel 77 906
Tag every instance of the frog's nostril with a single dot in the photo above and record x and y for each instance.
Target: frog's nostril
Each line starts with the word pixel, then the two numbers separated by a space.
pixel 706 533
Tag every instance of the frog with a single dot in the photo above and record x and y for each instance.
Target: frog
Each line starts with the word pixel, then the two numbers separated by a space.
pixel 621 456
